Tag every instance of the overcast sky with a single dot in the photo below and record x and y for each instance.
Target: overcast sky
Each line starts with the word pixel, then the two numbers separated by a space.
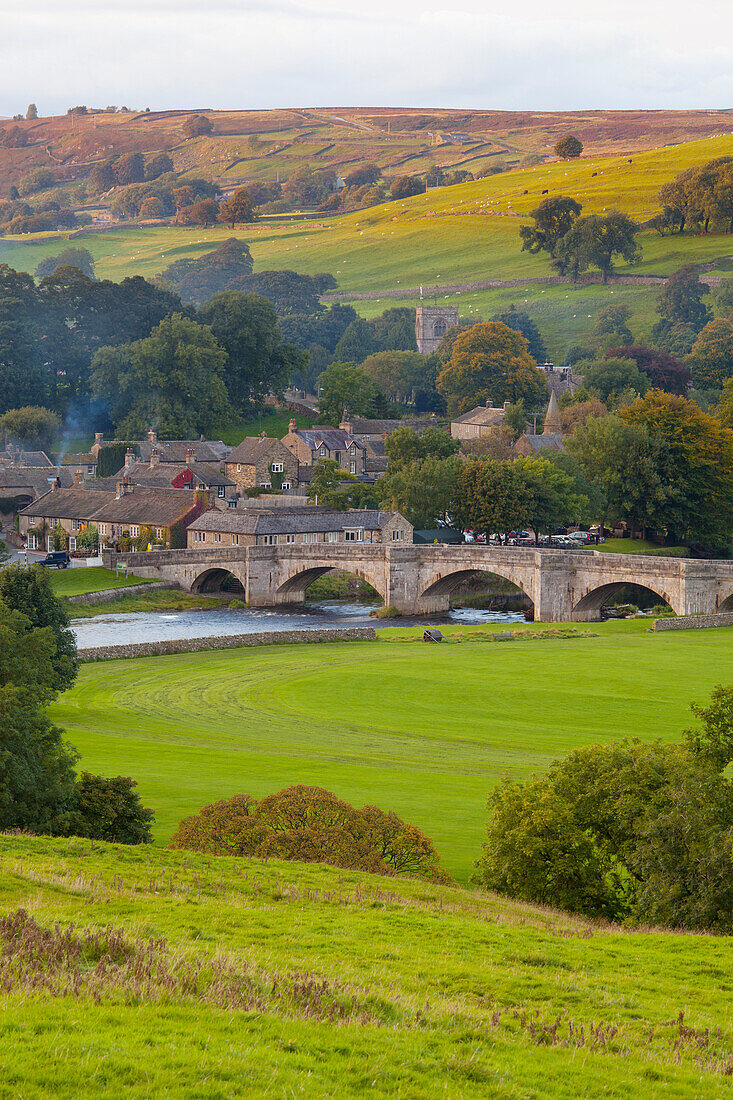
pixel 563 54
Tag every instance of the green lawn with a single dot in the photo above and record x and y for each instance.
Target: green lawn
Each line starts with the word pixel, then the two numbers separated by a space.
pixel 77 582
pixel 246 979
pixel 640 546
pixel 423 730
pixel 162 599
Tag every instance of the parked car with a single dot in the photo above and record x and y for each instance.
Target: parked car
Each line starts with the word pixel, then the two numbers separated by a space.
pixel 57 559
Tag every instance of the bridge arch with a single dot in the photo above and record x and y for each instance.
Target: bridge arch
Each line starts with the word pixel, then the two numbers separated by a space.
pixel 589 606
pixel 726 604
pixel 448 583
pixel 218 579
pixel 293 589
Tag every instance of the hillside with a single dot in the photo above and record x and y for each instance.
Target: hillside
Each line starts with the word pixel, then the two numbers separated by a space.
pixel 259 145
pixel 169 974
pixel 451 237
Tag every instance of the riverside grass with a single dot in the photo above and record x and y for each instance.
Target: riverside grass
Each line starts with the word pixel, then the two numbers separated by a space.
pixel 205 977
pixel 452 235
pixel 78 582
pixel 421 730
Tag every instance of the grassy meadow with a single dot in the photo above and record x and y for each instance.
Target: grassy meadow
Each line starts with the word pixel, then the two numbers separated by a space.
pixel 167 974
pixel 80 581
pixel 422 730
pixel 452 235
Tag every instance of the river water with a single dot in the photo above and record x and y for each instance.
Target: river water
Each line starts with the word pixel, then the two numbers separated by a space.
pixel 159 626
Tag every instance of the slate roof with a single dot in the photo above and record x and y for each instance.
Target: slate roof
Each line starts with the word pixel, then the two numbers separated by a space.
pixel 291 523
pixel 33 481
pixel 254 448
pixel 543 442
pixel 173 451
pixel 81 459
pixel 481 415
pixel 26 459
pixel 142 473
pixel 75 503
pixel 334 438
pixel 384 427
pixel 160 507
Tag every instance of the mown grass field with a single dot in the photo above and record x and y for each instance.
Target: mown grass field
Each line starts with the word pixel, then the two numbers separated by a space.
pixel 77 582
pixel 199 977
pixel 452 235
pixel 422 730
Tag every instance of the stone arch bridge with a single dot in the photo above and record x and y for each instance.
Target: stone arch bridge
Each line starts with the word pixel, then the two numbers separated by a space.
pixel 563 585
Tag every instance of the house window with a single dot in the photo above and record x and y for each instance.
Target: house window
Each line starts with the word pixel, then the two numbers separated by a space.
pixel 352 467
pixel 337 455
pixel 398 536
pixel 269 540
pixel 134 531
pixel 290 538
pixel 159 533
pixel 333 536
pixel 277 467
pixel 72 542
pixel 265 485
pixel 235 540
pixel 311 536
pixel 217 536
pixel 220 491
pixel 354 535
pixel 32 542
pixel 323 450
pixel 352 451
pixel 49 543
pixel 239 467
pixel 286 485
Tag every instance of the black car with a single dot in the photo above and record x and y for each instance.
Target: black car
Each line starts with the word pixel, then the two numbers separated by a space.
pixel 57 559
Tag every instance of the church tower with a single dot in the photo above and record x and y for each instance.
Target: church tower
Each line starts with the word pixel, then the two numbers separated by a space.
pixel 553 423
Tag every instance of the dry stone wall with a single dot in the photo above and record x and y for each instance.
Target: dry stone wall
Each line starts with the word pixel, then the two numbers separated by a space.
pixel 108 594
pixel 228 641
pixel 694 622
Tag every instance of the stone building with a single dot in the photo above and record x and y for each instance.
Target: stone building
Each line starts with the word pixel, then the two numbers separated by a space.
pixel 309 445
pixel 300 527
pixel 479 421
pixel 264 462
pixel 551 438
pixel 204 477
pixel 431 325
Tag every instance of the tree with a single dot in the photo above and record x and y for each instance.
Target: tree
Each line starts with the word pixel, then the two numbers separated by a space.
pixel 422 490
pixel 173 379
pixel 32 112
pixel 680 303
pixel 238 208
pixel 197 280
pixel 326 483
pixel 102 177
pixel 623 461
pixel 490 364
pixel 568 148
pixel 197 126
pixel 394 330
pixel 151 207
pixel 80 258
pixel 594 241
pixel 519 321
pixel 160 164
pixel 363 174
pixel 612 326
pixel 29 592
pixel 204 212
pixel 553 218
pixel 663 370
pixel 678 197
pixel 492 497
pixel 711 358
pixel 110 810
pixel 399 374
pixel 38 180
pixel 129 168
pixel 346 389
pixel 306 188
pixel 611 380
pixel 404 187
pixel 259 363
pixel 33 427
pixel 14 138
pixel 555 500
pixel 357 342
pixel 695 467
pixel 579 412
pixel 404 445
pixel 310 824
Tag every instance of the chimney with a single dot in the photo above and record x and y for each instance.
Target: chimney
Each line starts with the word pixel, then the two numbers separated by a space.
pixel 190 456
pixel 78 478
pixel 154 458
pixel 98 437
pixel 152 437
pixel 130 458
pixel 124 487
pixel 292 426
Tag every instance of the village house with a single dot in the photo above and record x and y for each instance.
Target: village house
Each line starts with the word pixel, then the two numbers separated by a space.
pixel 197 476
pixel 301 526
pixel 310 445
pixel 86 462
pixel 370 430
pixel 478 422
pixel 166 512
pixel 170 451
pixel 260 461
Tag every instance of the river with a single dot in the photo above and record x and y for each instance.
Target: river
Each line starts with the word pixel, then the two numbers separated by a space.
pixel 159 626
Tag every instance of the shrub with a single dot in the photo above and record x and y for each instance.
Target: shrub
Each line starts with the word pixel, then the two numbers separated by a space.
pixel 109 809
pixel 311 825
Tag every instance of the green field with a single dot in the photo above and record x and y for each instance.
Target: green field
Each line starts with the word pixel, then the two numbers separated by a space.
pixel 208 978
pixel 452 235
pixel 422 730
pixel 77 582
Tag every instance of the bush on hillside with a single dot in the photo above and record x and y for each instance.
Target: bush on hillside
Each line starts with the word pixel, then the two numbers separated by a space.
pixel 311 825
pixel 109 809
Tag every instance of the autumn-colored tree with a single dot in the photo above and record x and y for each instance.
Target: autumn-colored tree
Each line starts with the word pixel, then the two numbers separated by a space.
pixel 311 825
pixel 568 148
pixel 197 126
pixel 578 412
pixel 711 358
pixel 237 208
pixel 151 207
pixel 490 364
pixel 205 212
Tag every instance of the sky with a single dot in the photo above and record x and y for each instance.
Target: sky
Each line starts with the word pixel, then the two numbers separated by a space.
pixel 563 55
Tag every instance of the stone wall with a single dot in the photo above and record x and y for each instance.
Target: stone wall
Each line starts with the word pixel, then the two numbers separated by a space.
pixel 694 622
pixel 113 593
pixel 231 641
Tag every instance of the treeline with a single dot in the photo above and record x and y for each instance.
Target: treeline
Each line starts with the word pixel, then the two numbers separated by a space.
pixel 697 199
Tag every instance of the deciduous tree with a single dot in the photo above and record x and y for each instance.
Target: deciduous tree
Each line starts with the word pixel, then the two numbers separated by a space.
pixel 553 218
pixel 568 148
pixel 490 364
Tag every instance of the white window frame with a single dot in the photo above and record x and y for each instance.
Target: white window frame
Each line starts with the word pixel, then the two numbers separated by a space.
pixel 311 536
pixel 159 533
pixel 269 540
pixel 354 534
pixel 221 490
pixel 352 467
pixel 287 485
pixel 235 540
pixel 290 538
pixel 277 468
pixel 322 451
pixel 239 467
pixel 134 530
pixel 32 542
pixel 72 543
pixel 332 536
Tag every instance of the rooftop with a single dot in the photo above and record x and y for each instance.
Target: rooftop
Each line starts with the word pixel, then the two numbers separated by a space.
pixel 302 521
pixel 482 414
